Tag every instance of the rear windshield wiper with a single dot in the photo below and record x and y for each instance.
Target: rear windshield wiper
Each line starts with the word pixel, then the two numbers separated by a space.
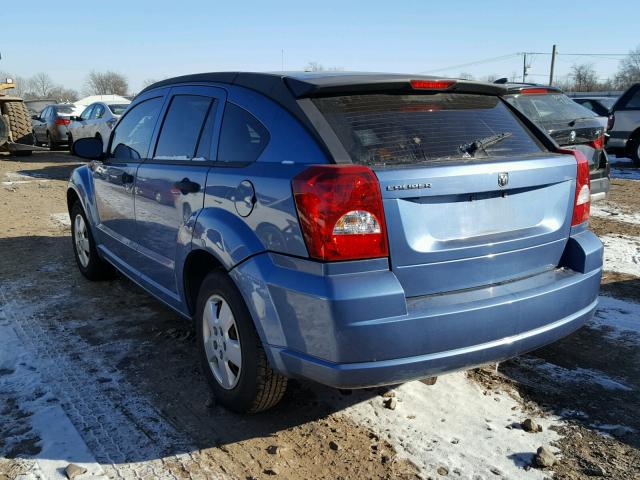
pixel 573 122
pixel 470 149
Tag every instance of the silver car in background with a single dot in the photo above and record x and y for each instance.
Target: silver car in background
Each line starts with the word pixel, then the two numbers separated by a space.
pixel 51 125
pixel 97 120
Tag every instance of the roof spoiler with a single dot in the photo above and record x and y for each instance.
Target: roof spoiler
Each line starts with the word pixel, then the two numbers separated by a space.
pixel 359 84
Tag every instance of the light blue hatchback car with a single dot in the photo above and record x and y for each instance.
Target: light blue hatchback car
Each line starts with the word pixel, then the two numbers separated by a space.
pixel 354 229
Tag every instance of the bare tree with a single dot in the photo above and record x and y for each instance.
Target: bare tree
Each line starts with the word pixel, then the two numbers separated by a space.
pixel 40 85
pixel 585 78
pixel 466 76
pixel 106 83
pixel 492 77
pixel 318 67
pixel 62 94
pixel 314 67
pixel 629 70
pixel 148 82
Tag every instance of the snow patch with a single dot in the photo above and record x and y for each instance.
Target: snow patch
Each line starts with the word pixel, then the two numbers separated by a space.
pixel 457 425
pixel 622 254
pixel 619 318
pixel 45 420
pixel 575 375
pixel 61 219
pixel 612 211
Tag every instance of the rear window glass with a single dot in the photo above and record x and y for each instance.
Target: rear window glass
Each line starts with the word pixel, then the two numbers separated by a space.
pixel 407 129
pixel 552 109
pixel 118 109
pixel 65 108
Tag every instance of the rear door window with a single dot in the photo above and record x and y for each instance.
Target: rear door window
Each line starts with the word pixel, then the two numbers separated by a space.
pixel 182 127
pixel 381 129
pixel 242 136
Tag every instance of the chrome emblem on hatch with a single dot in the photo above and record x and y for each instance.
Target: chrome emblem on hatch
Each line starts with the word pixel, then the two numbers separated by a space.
pixel 503 179
pixel 572 136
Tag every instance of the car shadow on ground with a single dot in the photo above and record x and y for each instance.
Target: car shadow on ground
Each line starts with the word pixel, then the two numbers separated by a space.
pixel 131 354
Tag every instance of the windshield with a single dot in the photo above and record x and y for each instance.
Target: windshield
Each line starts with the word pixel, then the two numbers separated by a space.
pixel 608 102
pixel 549 109
pixel 118 109
pixel 407 129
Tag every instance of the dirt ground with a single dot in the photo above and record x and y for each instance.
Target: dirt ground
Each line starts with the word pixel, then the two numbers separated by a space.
pixel 123 371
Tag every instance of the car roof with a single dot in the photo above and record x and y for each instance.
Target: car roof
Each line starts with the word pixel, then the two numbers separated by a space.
pixel 310 84
pixel 582 97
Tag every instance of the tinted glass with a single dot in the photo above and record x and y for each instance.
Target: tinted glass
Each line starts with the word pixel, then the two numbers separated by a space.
pixel 204 145
pixel 608 102
pixel 98 112
pixel 242 136
pixel 118 109
pixel 549 110
pixel 65 109
pixel 182 126
pixel 45 113
pixel 634 101
pixel 408 129
pixel 87 112
pixel 133 134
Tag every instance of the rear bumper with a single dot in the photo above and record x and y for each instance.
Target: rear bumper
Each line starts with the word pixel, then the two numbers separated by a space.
pixel 354 329
pixel 599 188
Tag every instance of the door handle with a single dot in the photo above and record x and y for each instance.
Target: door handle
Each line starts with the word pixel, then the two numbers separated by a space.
pixel 127 178
pixel 187 186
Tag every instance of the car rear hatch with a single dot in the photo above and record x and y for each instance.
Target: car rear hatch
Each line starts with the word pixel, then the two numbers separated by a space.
pixel 458 214
pixel 570 124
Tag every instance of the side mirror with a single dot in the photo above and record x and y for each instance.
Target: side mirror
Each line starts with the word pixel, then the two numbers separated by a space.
pixel 35 117
pixel 90 148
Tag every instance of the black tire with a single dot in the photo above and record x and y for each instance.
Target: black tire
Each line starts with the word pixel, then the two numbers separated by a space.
pixel 23 153
pixel 633 151
pixel 96 269
pixel 19 121
pixel 258 387
pixel 50 143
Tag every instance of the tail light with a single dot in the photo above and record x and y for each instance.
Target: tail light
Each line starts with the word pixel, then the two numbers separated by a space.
pixel 610 122
pixel 62 121
pixel 534 91
pixel 341 213
pixel 431 84
pixel 598 143
pixel 582 201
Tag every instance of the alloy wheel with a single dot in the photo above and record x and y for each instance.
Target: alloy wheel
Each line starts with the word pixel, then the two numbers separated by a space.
pixel 81 238
pixel 221 342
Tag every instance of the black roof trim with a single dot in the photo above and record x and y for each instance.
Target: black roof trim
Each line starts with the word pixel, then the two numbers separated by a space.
pixel 514 87
pixel 308 84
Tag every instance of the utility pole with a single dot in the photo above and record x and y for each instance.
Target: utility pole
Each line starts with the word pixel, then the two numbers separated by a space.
pixel 553 62
pixel 282 59
pixel 524 67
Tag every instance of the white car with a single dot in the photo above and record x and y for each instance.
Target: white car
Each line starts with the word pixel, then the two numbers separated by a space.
pixel 97 120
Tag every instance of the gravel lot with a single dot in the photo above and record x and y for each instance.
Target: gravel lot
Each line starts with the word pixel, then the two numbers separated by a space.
pixel 103 376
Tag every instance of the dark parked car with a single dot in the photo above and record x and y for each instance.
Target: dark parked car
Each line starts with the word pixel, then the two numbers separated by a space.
pixel 624 128
pixel 601 106
pixel 354 229
pixel 51 125
pixel 569 124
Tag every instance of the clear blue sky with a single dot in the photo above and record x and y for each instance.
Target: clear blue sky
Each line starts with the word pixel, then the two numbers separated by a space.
pixel 159 39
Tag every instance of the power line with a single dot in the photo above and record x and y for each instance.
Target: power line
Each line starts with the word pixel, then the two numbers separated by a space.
pixel 511 55
pixel 477 62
